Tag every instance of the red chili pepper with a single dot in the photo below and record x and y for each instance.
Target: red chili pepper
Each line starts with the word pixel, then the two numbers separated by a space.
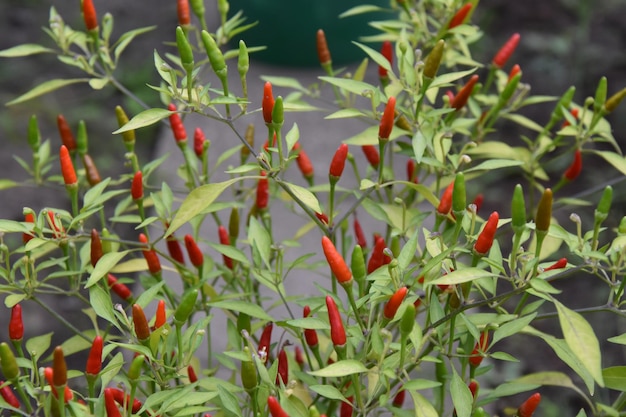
pixel 118 288
pixel 275 409
pixel 322 217
pixel 160 316
pixel 265 340
pixel 377 258
pixel 310 335
pixel 67 166
pixel 485 238
pixel 411 175
pixel 391 308
pixel 7 394
pixel 176 124
pixel 89 15
pixel 122 399
pixel 225 240
pixel 338 162
pixel 529 406
pixel 59 367
pixel 473 387
pixel 462 96
pixel 337 331
pixel 192 374
pixel 268 102
pixel 174 249
pixel 195 254
pixel 94 361
pixel 505 52
pixel 387 119
pixel 182 9
pixel 445 204
pixel 67 137
pixel 459 17
pixel 514 71
pixel 28 218
pixel 68 395
pixel 109 403
pixel 323 53
pixel 304 162
pixel 336 262
pixel 91 170
pixel 142 330
pixel 136 189
pixel 299 356
pixel 16 324
pixel 479 348
pixel 398 400
pixel 198 142
pixel 262 192
pixel 575 168
pixel 358 233
pixel 478 201
pixel 96 247
pixel 152 259
pixel 386 50
pixel 346 409
pixel 283 368
pixel 371 153
pixel 560 264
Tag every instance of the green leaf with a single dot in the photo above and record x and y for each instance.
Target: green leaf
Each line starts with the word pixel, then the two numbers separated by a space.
pixel 287 82
pixel 345 113
pixel 101 303
pixel 363 8
pixel 260 240
pixel 13 299
pixel 104 266
pixel 423 407
pixel 370 136
pixel 328 391
pixel 143 119
pixel 461 396
pixel 460 276
pixel 24 50
pixel 252 310
pixel 304 195
pixel 621 339
pixel 523 121
pixel 197 201
pixel 353 86
pixel 375 55
pixel 494 164
pixel 582 340
pixel 408 251
pixel 418 384
pixel 512 327
pixel 98 83
pixel 618 161
pixel 341 368
pixel 126 38
pixel 553 378
pixel 5 184
pixel 308 323
pixel 450 77
pixel 10 226
pixel 45 88
pixel 37 345
pixel 615 378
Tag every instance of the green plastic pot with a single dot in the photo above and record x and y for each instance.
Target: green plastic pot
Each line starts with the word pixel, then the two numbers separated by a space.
pixel 287 28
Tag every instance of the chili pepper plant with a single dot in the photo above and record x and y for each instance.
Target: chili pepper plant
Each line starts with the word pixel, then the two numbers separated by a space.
pixel 416 321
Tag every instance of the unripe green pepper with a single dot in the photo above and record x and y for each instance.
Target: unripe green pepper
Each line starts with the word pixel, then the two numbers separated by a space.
pixel 621 229
pixel 544 212
pixel 223 7
pixel 518 210
pixel 357 265
pixel 186 306
pixel 81 138
pixel 216 58
pixel 243 323
pixel 278 114
pixel 8 363
pixel 604 205
pixel 614 100
pixel 233 224
pixel 600 98
pixel 197 6
pixel 34 136
pixel 510 88
pixel 134 372
pixel 129 135
pixel 431 66
pixel 249 378
pixel 408 320
pixel 459 195
pixel 184 50
pixel 394 246
pixel 564 102
pixel 243 61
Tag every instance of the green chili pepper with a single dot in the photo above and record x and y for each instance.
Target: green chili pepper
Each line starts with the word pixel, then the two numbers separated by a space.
pixel 135 367
pixel 431 66
pixel 518 210
pixel 622 226
pixel 184 50
pixel 408 320
pixel 243 323
pixel 186 306
pixel 614 100
pixel 458 195
pixel 243 63
pixel 233 224
pixel 216 58
pixel 278 114
pixel 197 6
pixel 604 205
pixel 129 135
pixel 81 138
pixel 223 7
pixel 600 98
pixel 34 136
pixel 249 378
pixel 357 265
pixel 544 212
pixel 510 88
pixel 564 102
pixel 8 363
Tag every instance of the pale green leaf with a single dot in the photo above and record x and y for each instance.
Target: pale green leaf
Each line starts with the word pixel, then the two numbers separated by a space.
pixel 419 384
pixel 5 184
pixel 145 118
pixel 12 299
pixel 408 251
pixel 423 407
pixel 345 113
pixel 328 391
pixel 24 50
pixel 461 396
pixel 512 327
pixel 352 86
pixel 45 88
pixel 309 323
pixel 494 164
pixel 101 303
pixel 524 121
pixel 448 78
pixel 460 276
pixel 363 8
pixel 621 339
pixel 618 161
pixel 341 368
pixel 304 195
pixel 250 309
pixel 287 82
pixel 260 240
pixel 98 83
pixel 376 56
pixel 370 136
pixel 37 345
pixel 10 226
pixel 104 266
pixel 553 378
pixel 615 378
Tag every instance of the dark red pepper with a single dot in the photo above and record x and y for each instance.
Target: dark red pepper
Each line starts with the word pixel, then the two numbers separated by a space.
pixel 174 249
pixel 387 119
pixel 336 262
pixel 283 368
pixel 481 346
pixel 371 153
pixel 304 162
pixel 67 137
pixel 323 53
pixel 337 331
pixel 262 192
pixel 225 240
pixel 268 102
pixel 310 335
pixel 122 399
pixel 152 259
pixel 560 264
pixel 398 400
pixel 195 254
pixel 274 406
pixel 96 247
pixel 192 374
pixel 176 123
pixel 28 218
pixel 118 288
pixel 411 175
pixel 142 330
pixel 94 360
pixel 198 142
pixel 378 258
pixel 460 99
pixel 265 340
pixel 386 50
pixel 109 403
pixel 358 233
pixel 16 324
pixel 346 409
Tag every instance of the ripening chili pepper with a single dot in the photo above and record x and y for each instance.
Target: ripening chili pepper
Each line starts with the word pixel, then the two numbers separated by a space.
pixel 28 218
pixel 268 102
pixel 274 406
pixel 67 167
pixel 411 175
pixel 89 15
pixel 283 367
pixel 110 405
pixel 96 251
pixel 337 264
pixel 151 257
pixel 67 137
pixel 614 100
pixel 94 360
pixel 59 367
pixel 49 375
pixel 7 394
pixel 225 240
pixel 485 238
pixel 338 163
pixel 371 153
pixel 473 387
pixel 478 201
pixel 346 409
pixel 358 233
pixel 136 188
pixel 386 121
pixel 198 142
pixel 392 305
pixel 192 374
pixel 118 288
pixel 176 123
pixel 431 65
pixel 8 363
pixel 460 16
pixel 398 399
pixel 323 53
pixel 445 204
pixel 122 399
pixel 480 347
pixel 514 71
pixel 195 254
pixel 186 306
pixel 573 171
pixel 560 264
pixel 529 406
pixel 386 50
pixel 91 171
pixel 182 10
pixel 262 192
pixel 174 249
pixel 142 330
pixel 544 212
pixel 128 136
pixel 505 52
pixel 264 342
pixel 160 316
pixel 310 335
pixel 304 162
pixel 337 331
pixel 460 99
pixel 16 324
